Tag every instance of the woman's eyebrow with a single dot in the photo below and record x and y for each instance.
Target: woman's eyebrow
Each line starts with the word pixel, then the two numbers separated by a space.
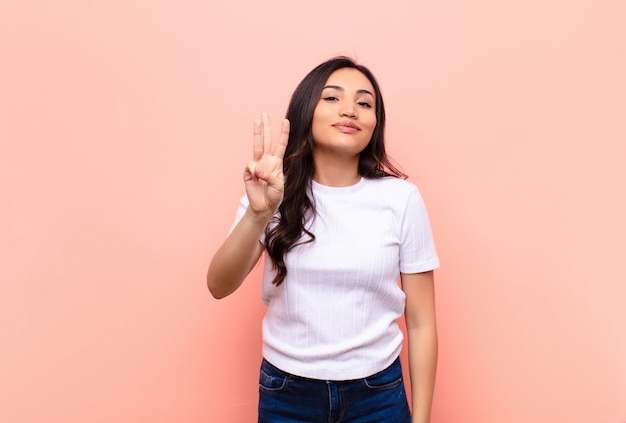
pixel 359 91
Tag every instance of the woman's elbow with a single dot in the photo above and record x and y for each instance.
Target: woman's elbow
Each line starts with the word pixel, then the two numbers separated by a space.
pixel 221 287
pixel 215 293
pixel 215 288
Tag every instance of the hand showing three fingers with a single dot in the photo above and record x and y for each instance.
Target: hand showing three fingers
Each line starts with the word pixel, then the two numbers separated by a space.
pixel 263 175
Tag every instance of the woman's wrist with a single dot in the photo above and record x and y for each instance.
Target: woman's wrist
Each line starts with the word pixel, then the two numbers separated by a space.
pixel 259 217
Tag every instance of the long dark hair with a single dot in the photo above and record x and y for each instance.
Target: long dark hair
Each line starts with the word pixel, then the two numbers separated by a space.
pixel 288 228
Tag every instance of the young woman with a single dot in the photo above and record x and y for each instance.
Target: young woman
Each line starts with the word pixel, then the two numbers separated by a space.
pixel 339 226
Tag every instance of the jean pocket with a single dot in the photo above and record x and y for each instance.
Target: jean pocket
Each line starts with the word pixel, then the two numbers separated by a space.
pixel 386 379
pixel 272 379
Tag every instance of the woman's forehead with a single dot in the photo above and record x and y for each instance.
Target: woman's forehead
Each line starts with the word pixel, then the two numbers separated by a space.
pixel 349 79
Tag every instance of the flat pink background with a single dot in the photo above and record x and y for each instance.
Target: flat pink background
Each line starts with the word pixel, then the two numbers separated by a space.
pixel 125 127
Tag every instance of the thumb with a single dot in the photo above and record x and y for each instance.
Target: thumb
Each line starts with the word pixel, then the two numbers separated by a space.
pixel 258 172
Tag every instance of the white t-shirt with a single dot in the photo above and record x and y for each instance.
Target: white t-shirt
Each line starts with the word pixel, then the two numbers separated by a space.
pixel 334 316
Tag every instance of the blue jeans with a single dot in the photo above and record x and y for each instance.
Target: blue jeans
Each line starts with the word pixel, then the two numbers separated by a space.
pixel 285 398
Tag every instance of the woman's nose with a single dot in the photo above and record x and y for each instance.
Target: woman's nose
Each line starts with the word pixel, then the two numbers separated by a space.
pixel 348 110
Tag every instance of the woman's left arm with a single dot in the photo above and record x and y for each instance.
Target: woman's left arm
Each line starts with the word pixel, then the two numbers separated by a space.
pixel 422 335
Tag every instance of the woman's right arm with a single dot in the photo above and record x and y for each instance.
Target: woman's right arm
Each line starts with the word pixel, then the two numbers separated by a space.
pixel 237 256
pixel 264 182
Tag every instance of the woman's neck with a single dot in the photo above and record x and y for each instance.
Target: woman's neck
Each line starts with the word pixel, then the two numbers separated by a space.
pixel 337 173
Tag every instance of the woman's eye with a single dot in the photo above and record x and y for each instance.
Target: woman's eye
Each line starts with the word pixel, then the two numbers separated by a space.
pixel 331 98
pixel 365 104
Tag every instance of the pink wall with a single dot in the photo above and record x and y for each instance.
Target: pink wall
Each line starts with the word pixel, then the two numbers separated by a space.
pixel 125 126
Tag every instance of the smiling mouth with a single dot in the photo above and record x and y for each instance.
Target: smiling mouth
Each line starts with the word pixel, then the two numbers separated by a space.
pixel 347 127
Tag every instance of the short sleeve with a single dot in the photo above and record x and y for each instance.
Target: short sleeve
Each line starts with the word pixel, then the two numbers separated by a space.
pixel 417 246
pixel 241 210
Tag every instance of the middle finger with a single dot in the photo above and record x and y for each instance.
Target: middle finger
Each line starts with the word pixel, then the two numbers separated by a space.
pixel 267 134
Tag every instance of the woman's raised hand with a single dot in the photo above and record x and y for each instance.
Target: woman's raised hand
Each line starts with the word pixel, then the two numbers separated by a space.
pixel 264 173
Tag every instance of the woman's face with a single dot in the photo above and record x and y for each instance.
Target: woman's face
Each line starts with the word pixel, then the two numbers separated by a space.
pixel 345 116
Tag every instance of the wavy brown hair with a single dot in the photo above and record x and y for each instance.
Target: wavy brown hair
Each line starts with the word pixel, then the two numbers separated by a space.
pixel 288 226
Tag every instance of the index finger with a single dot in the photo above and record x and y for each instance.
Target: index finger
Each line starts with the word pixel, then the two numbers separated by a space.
pixel 279 150
pixel 257 145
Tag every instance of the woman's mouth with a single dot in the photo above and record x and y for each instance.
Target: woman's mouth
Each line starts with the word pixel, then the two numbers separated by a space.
pixel 347 127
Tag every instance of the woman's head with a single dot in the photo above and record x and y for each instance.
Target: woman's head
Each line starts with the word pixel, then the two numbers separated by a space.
pixel 302 107
pixel 345 116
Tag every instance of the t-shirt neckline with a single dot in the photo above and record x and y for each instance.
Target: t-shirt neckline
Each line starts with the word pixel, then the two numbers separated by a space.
pixel 319 188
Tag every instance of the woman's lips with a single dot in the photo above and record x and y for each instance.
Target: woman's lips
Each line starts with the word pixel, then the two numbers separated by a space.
pixel 347 127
